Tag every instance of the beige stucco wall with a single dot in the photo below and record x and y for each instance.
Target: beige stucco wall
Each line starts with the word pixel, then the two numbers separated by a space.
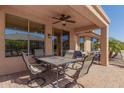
pixel 104 46
pixel 87 44
pixel 10 65
pixel 77 42
pixel 48 41
pixel 74 41
pixel 7 65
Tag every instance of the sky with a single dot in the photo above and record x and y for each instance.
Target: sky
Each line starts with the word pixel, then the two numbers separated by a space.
pixel 116 15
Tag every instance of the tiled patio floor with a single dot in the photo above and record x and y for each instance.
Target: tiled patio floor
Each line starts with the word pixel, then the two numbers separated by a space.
pixel 99 76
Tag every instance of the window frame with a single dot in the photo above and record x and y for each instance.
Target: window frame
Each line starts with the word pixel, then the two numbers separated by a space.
pixel 28 45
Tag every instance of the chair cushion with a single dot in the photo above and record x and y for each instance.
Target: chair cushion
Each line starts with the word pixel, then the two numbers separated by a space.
pixel 69 54
pixel 35 69
pixel 78 54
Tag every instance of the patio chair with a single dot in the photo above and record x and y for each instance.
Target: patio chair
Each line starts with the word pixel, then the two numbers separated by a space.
pixel 97 57
pixel 78 54
pixel 35 70
pixel 74 54
pixel 76 73
pixel 69 54
pixel 38 53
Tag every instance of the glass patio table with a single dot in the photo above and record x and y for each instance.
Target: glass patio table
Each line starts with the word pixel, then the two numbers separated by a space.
pixel 58 61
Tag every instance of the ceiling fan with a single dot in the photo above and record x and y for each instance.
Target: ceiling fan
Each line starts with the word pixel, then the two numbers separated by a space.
pixel 63 18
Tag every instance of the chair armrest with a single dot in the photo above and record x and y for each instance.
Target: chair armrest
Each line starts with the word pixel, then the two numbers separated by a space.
pixel 36 64
pixel 72 68
pixel 68 75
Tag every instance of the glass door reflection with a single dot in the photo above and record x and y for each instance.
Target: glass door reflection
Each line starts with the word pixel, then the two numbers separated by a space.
pixel 56 39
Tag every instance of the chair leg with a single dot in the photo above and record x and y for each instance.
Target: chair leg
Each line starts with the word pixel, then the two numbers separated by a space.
pixel 80 85
pixel 71 84
pixel 30 82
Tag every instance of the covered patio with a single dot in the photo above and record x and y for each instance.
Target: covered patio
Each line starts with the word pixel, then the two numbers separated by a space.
pixel 87 18
pixel 49 30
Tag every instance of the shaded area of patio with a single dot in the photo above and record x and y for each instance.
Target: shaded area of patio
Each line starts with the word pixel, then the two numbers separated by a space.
pixel 98 76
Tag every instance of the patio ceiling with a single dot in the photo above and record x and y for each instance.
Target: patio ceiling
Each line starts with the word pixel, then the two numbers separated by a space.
pixel 48 11
pixel 90 34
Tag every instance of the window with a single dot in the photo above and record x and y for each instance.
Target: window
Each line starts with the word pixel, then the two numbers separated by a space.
pixel 65 41
pixel 37 37
pixel 94 44
pixel 82 43
pixel 19 36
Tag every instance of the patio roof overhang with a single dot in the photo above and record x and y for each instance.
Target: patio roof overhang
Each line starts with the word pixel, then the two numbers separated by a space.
pixel 86 17
pixel 89 34
pixel 95 14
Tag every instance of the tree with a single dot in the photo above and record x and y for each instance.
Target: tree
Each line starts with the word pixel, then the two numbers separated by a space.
pixel 115 47
pixel 96 45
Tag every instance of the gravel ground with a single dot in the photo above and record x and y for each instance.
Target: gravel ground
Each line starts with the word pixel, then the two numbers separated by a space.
pixel 98 77
pixel 104 77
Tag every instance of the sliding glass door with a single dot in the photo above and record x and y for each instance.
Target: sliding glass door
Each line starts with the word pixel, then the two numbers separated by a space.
pixel 82 40
pixel 60 41
pixel 65 41
pixel 56 41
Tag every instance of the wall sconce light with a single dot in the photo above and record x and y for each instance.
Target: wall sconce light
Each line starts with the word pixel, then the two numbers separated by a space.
pixel 49 35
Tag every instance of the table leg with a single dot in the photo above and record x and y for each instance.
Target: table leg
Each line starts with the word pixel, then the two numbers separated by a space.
pixel 56 83
pixel 57 76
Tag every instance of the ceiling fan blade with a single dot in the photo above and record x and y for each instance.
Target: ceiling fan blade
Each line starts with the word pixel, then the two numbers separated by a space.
pixel 64 17
pixel 71 21
pixel 57 22
pixel 55 18
pixel 67 17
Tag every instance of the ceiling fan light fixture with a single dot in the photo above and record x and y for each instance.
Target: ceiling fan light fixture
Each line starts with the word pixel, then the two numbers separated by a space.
pixel 64 23
pixel 63 19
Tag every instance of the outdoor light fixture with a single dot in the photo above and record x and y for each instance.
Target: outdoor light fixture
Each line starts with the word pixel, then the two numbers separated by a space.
pixel 49 35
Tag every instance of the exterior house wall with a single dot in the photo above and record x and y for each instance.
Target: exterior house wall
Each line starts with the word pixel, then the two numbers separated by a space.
pixel 7 65
pixel 48 41
pixel 77 42
pixel 74 41
pixel 10 65
pixel 87 45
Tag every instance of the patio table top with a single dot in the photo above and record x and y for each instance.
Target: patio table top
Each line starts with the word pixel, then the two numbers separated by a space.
pixel 58 60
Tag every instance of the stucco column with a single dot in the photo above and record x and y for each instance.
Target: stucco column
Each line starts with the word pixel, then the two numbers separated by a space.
pixel 48 40
pixel 77 42
pixel 2 38
pixel 104 46
pixel 74 41
pixel 72 46
pixel 87 44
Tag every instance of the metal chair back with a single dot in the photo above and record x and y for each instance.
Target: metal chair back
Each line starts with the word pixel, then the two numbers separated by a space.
pixel 85 66
pixel 31 68
pixel 69 54
pixel 26 61
pixel 38 52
